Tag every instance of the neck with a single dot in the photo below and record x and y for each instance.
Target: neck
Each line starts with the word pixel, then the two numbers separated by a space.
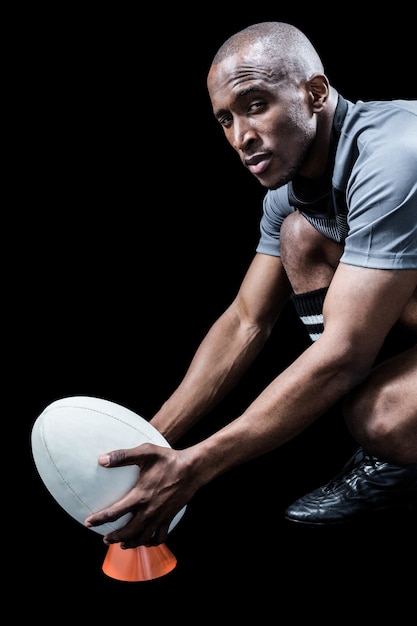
pixel 315 166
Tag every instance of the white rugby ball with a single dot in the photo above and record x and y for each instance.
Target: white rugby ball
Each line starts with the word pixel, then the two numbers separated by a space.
pixel 66 440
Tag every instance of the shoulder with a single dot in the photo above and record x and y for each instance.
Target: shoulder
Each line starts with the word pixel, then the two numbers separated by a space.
pixel 374 121
pixel 378 137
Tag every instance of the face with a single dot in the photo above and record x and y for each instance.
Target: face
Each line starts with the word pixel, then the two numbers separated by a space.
pixel 271 125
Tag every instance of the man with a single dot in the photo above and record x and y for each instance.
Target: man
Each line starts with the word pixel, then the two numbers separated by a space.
pixel 339 237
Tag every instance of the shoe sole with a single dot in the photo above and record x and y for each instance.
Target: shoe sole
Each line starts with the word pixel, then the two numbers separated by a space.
pixel 408 509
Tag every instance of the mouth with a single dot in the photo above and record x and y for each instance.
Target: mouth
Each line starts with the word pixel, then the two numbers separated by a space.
pixel 258 163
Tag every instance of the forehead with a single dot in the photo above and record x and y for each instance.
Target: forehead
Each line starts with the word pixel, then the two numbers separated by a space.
pixel 236 72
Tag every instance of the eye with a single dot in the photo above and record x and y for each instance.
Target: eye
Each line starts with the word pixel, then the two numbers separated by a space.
pixel 257 106
pixel 225 121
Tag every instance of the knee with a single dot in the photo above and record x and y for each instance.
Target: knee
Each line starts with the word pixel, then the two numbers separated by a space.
pixel 365 412
pixel 309 258
pixel 298 239
pixel 370 415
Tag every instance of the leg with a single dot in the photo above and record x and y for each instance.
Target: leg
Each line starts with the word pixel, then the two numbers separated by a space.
pixel 310 260
pixel 381 413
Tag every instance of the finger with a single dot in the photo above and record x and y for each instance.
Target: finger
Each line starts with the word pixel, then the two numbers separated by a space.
pixel 132 536
pixel 135 533
pixel 128 456
pixel 115 458
pixel 159 536
pixel 111 513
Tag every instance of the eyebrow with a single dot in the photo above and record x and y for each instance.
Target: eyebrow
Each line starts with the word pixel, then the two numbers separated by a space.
pixel 240 94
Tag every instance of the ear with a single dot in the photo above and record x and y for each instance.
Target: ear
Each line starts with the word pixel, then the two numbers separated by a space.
pixel 319 89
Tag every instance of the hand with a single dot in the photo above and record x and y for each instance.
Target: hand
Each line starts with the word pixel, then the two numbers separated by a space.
pixel 163 489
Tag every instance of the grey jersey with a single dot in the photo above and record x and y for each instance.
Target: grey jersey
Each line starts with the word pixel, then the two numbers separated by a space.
pixel 370 203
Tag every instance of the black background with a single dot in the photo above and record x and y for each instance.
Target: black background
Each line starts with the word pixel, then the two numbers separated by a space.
pixel 135 222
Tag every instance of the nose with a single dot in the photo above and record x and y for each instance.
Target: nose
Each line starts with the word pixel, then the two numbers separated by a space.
pixel 243 134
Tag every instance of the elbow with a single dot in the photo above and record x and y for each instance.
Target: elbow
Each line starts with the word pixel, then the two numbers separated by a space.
pixel 351 361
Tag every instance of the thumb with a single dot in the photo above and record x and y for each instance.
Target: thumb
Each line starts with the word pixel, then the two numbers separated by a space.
pixel 115 458
pixel 104 460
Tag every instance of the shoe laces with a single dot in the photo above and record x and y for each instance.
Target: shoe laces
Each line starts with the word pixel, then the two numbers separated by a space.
pixel 353 468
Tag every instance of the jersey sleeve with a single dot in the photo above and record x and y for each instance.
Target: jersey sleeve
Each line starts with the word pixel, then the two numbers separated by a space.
pixel 382 198
pixel 275 209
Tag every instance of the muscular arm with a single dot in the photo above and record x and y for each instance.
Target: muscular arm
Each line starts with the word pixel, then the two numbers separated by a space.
pixel 360 308
pixel 228 349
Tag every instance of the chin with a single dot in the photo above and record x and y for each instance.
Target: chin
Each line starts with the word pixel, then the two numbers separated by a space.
pixel 271 182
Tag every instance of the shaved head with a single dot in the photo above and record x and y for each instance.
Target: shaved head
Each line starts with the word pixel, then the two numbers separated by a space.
pixel 287 49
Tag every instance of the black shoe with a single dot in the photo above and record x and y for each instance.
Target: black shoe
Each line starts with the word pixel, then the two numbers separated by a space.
pixel 365 485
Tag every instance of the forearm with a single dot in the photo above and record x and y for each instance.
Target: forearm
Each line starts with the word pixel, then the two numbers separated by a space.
pixel 219 363
pixel 293 401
